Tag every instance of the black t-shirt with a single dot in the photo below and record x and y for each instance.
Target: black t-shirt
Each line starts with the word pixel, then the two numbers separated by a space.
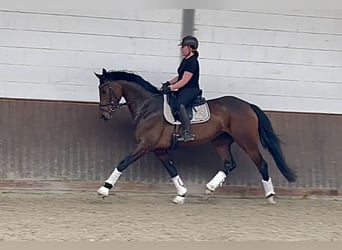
pixel 191 65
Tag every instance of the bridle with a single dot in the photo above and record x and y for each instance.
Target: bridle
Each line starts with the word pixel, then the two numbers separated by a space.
pixel 114 102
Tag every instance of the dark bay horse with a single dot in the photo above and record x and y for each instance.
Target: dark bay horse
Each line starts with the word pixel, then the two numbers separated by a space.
pixel 231 120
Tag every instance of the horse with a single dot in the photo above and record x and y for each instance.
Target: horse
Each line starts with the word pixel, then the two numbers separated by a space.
pixel 231 120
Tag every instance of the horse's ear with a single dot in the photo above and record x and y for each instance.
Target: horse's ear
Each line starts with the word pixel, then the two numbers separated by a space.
pixel 98 75
pixel 104 71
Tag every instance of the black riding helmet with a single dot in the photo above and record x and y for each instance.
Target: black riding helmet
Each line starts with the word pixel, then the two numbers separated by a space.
pixel 189 41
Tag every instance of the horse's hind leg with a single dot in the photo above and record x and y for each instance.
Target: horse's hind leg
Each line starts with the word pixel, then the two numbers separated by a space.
pixel 164 157
pixel 222 145
pixel 251 148
pixel 259 161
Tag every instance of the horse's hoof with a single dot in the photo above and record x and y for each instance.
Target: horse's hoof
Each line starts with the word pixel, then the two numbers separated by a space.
pixel 103 191
pixel 208 191
pixel 209 188
pixel 179 200
pixel 270 200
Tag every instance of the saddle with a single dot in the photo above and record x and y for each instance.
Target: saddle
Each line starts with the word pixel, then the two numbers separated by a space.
pixel 198 111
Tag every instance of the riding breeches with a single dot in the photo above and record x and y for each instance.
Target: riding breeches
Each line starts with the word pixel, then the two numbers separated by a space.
pixel 186 96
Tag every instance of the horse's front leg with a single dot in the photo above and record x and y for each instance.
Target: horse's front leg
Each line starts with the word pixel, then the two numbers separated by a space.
pixel 113 178
pixel 164 157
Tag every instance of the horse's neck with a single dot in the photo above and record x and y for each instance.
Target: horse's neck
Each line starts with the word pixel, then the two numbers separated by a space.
pixel 135 96
pixel 134 93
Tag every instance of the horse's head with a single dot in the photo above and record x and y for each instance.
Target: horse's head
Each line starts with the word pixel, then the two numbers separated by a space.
pixel 110 95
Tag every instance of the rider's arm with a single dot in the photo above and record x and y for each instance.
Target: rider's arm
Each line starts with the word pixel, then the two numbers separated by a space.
pixel 182 82
pixel 173 80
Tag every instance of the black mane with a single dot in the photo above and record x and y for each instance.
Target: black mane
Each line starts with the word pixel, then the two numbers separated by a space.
pixel 130 77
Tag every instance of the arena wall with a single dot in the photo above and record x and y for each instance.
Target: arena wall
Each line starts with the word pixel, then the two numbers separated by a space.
pixel 65 141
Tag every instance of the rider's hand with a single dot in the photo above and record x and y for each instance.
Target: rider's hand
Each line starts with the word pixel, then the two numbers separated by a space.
pixel 165 90
pixel 165 84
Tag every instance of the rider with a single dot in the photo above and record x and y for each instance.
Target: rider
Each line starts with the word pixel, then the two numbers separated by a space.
pixel 186 83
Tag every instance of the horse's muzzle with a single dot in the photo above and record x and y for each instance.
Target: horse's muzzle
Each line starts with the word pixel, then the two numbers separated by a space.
pixel 105 116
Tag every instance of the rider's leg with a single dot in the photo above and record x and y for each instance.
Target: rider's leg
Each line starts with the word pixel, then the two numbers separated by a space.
pixel 185 120
pixel 184 98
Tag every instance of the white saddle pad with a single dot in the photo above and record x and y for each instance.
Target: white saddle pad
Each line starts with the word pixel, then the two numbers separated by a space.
pixel 200 113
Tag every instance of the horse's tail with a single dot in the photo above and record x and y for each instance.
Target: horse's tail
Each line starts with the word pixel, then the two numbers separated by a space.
pixel 270 141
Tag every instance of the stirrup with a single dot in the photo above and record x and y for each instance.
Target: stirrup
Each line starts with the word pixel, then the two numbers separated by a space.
pixel 187 136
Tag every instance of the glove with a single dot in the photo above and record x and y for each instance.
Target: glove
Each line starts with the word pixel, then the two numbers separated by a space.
pixel 165 90
pixel 165 84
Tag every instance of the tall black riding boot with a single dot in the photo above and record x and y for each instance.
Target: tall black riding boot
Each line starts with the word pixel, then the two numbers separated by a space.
pixel 185 120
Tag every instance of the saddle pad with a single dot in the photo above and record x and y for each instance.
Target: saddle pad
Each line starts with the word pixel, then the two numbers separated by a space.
pixel 201 113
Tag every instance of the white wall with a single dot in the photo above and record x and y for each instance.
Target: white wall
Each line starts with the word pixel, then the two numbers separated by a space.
pixel 279 60
pixel 52 55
